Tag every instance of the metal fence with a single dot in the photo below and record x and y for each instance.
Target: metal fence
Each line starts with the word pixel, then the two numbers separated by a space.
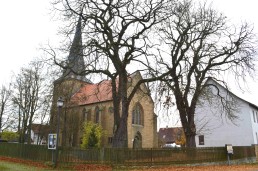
pixel 125 156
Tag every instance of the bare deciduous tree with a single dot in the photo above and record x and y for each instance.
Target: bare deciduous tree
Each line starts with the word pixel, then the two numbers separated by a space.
pixel 5 119
pixel 115 38
pixel 201 44
pixel 27 97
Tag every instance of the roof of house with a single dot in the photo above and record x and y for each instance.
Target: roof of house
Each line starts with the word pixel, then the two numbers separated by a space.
pixel 169 135
pixel 249 103
pixel 39 128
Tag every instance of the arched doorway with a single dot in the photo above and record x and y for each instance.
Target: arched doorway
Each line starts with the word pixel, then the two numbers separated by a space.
pixel 137 141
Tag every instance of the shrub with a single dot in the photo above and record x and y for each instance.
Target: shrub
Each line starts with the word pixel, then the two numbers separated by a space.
pixel 92 133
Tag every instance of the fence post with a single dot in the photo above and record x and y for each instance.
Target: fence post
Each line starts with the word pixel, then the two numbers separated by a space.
pixel 151 157
pixel 256 151
pixel 102 155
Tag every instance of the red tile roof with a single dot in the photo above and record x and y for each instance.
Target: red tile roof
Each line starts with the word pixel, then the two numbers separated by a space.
pixel 169 135
pixel 39 128
pixel 93 93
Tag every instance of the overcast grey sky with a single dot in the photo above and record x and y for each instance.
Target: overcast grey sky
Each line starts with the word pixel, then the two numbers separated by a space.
pixel 239 11
pixel 26 24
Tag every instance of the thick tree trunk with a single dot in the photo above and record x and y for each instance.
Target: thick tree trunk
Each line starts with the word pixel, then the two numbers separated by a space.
pixel 190 140
pixel 120 139
pixel 120 136
pixel 187 120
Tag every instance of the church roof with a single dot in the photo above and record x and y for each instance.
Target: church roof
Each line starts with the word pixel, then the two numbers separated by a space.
pixel 93 93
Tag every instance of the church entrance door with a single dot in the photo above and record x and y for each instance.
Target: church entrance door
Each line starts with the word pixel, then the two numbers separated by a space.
pixel 137 142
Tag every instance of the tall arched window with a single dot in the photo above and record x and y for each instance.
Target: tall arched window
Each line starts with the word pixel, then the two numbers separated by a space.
pixel 97 113
pixel 137 115
pixel 84 114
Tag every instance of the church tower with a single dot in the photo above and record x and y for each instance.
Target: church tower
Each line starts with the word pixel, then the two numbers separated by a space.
pixel 70 82
pixel 75 63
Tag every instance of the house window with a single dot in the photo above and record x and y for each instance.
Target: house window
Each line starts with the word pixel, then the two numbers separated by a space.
pixel 97 113
pixel 137 115
pixel 254 116
pixel 201 139
pixel 178 137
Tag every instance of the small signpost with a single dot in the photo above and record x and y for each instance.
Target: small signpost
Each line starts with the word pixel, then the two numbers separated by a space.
pixel 52 144
pixel 52 141
pixel 229 148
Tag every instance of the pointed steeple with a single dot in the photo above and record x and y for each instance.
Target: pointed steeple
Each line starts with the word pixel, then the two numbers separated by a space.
pixel 75 62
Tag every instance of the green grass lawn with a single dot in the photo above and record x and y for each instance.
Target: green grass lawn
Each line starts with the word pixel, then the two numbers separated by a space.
pixel 9 166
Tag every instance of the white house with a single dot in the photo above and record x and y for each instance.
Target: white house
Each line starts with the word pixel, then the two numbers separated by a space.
pixel 39 134
pixel 213 126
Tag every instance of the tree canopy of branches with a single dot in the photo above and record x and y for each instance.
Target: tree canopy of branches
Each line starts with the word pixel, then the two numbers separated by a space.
pixel 30 95
pixel 201 44
pixel 115 38
pixel 197 42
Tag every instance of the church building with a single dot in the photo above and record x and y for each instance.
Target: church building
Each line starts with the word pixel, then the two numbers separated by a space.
pixel 86 101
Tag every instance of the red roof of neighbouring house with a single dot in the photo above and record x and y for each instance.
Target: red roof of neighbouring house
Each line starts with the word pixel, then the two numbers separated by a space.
pixel 40 129
pixel 93 93
pixel 169 135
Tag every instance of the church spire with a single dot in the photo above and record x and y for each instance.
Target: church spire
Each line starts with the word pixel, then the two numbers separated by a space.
pixel 75 63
